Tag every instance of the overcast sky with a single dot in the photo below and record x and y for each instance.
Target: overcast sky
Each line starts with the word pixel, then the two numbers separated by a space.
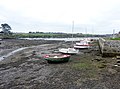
pixel 89 16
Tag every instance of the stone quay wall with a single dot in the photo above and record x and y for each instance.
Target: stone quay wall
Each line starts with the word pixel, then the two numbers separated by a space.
pixel 109 47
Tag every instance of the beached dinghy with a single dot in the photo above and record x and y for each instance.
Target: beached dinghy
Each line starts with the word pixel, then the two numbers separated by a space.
pixel 68 51
pixel 56 58
pixel 82 45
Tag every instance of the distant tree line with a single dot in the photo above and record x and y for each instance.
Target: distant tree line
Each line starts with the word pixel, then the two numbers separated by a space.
pixel 6 33
pixel 53 35
pixel 48 32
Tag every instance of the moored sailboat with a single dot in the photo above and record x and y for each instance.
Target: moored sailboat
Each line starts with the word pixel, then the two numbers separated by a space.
pixel 70 50
pixel 83 44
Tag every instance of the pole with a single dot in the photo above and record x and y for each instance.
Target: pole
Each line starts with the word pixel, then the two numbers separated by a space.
pixel 72 31
pixel 86 32
pixel 113 33
pixel 92 31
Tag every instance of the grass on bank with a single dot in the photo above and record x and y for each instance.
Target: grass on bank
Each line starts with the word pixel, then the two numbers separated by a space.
pixel 88 68
pixel 114 38
pixel 32 35
pixel 44 35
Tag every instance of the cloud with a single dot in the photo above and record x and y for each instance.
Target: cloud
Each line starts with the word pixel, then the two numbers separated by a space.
pixel 57 15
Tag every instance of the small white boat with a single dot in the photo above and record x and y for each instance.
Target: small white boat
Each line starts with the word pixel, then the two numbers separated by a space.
pixel 82 44
pixel 68 50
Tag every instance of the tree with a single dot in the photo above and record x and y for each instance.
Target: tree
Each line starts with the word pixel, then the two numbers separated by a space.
pixel 6 29
pixel 119 32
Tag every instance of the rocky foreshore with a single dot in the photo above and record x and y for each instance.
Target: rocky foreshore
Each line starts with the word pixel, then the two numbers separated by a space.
pixel 86 70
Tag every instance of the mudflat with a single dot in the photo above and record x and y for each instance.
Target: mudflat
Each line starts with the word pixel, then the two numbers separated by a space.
pixel 86 70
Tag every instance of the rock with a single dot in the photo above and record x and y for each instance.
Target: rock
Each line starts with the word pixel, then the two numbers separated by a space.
pixel 98 58
pixel 118 61
pixel 112 71
pixel 118 57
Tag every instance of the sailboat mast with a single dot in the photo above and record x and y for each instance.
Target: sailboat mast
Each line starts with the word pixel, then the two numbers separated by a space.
pixel 72 31
pixel 113 33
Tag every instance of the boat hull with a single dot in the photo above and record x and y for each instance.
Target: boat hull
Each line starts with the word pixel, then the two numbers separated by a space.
pixel 68 51
pixel 81 47
pixel 57 59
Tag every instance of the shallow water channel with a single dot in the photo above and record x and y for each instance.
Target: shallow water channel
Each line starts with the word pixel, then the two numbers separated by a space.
pixel 11 53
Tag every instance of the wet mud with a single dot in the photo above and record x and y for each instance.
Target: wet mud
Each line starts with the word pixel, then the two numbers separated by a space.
pixel 86 70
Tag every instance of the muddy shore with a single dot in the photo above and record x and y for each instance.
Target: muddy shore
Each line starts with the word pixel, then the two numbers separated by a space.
pixel 86 70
